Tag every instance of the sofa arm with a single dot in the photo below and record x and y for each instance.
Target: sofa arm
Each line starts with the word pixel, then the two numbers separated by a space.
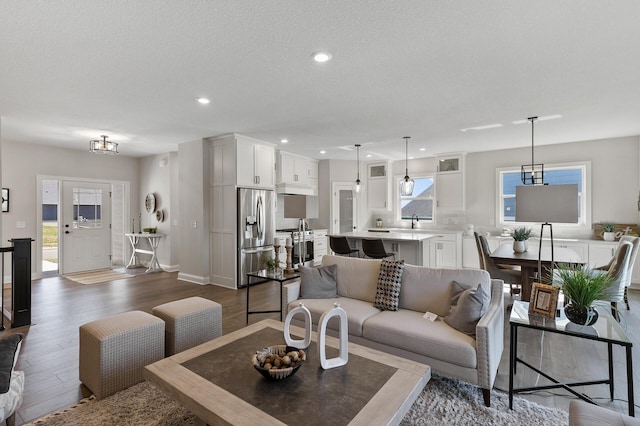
pixel 290 293
pixel 490 337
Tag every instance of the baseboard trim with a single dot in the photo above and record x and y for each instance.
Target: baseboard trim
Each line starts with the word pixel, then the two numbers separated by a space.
pixel 193 278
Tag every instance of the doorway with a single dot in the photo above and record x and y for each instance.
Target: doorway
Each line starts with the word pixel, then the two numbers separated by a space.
pixel 345 208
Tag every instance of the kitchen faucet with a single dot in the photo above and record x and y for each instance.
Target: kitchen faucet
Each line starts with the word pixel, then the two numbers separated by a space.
pixel 417 220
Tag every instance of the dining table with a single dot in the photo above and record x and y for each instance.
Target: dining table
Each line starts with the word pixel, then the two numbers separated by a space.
pixel 528 263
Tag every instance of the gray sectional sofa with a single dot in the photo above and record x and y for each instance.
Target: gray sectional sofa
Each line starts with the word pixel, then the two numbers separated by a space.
pixel 406 332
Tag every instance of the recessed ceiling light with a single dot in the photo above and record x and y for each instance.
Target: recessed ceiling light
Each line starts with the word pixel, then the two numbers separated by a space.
pixel 284 140
pixel 410 158
pixel 203 101
pixel 321 56
pixel 488 126
pixel 423 149
pixel 543 118
pixel 369 155
pixel 323 152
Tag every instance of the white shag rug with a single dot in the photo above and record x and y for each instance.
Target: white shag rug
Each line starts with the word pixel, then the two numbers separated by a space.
pixel 442 402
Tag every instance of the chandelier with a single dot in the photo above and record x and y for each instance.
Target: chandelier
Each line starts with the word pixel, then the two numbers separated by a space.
pixel 103 146
pixel 532 174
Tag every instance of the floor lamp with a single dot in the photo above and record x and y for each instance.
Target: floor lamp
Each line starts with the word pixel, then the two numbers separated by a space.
pixel 547 204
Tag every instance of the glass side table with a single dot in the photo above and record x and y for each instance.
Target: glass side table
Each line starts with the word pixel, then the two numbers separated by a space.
pixel 606 330
pixel 264 276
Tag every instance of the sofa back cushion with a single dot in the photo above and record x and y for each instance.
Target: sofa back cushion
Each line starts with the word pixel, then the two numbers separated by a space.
pixel 357 278
pixel 429 289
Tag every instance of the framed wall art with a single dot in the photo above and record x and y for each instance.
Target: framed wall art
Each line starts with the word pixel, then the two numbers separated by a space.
pixel 544 299
pixel 5 200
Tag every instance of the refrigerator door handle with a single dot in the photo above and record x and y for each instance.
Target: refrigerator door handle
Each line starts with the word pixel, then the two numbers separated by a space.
pixel 260 217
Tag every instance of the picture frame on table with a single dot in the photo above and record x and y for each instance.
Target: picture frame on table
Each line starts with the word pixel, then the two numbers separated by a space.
pixel 544 299
pixel 5 200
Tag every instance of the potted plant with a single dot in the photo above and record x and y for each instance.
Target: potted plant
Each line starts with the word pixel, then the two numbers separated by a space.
pixel 607 231
pixel 271 264
pixel 520 237
pixel 581 287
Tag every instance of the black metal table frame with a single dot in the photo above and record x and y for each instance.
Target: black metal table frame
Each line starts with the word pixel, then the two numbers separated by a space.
pixel 265 278
pixel 513 361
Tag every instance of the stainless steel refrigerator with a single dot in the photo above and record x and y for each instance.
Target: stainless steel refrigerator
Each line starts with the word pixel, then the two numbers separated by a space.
pixel 256 223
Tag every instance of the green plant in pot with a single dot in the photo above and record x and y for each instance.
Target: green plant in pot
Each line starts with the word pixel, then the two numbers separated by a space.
pixel 271 264
pixel 581 287
pixel 608 233
pixel 521 235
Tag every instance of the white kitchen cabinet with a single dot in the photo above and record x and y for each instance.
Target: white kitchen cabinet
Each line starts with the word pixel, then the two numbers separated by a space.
pixel 446 251
pixel 291 168
pixel 470 258
pixel 379 190
pixel 255 164
pixel 600 253
pixel 449 187
pixel 319 245
pixel 579 247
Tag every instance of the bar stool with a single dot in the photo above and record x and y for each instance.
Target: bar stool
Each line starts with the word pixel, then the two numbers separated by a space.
pixel 340 245
pixel 374 248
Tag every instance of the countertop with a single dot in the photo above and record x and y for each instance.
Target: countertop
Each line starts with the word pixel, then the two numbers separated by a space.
pixel 389 236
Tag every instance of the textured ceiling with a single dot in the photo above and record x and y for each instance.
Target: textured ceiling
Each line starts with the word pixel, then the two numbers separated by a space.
pixel 72 70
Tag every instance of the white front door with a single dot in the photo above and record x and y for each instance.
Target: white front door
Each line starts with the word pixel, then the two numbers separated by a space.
pixel 345 209
pixel 86 226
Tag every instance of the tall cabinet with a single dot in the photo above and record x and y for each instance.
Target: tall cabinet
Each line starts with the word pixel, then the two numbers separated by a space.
pixel 235 161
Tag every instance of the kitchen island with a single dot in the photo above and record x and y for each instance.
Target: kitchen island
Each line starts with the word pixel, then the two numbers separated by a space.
pixel 412 247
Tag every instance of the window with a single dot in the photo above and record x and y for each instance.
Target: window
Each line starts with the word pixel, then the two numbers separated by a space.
pixel 509 178
pixel 87 208
pixel 421 202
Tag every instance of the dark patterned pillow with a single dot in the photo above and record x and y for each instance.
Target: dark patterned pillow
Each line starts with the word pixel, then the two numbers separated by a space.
pixel 8 349
pixel 389 282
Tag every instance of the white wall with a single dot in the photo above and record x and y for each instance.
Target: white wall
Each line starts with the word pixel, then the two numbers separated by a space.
pixel 156 178
pixel 21 163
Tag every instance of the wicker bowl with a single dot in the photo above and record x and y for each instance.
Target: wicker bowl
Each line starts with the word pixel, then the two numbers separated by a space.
pixel 283 352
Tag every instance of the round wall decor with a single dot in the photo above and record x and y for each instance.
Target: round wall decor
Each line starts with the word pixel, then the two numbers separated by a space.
pixel 160 216
pixel 150 202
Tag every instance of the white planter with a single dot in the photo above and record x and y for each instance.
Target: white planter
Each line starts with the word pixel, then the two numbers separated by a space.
pixel 609 236
pixel 520 246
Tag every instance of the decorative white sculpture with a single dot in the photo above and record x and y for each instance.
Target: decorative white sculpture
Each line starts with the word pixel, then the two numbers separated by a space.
pixel 342 359
pixel 300 344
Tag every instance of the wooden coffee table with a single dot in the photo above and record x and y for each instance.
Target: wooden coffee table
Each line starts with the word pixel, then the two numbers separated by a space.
pixel 217 383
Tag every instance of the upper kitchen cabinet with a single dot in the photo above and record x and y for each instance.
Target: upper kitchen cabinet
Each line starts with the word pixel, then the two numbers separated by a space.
pixel 255 165
pixel 296 174
pixel 450 182
pixel 242 161
pixel 379 190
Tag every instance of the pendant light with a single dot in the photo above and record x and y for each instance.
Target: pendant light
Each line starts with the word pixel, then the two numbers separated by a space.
pixel 103 146
pixel 532 174
pixel 406 186
pixel 357 185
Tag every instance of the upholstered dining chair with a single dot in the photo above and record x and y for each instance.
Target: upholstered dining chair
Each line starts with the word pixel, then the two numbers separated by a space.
pixel 635 242
pixel 374 248
pixel 505 273
pixel 340 245
pixel 619 272
pixel 12 381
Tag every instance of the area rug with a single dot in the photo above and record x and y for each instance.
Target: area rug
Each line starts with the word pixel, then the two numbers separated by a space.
pixel 442 402
pixel 99 276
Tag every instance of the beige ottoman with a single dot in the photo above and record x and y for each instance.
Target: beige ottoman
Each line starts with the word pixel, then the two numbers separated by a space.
pixel 114 350
pixel 189 322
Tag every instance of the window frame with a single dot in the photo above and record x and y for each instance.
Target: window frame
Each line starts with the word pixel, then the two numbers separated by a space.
pixel 584 221
pixel 398 198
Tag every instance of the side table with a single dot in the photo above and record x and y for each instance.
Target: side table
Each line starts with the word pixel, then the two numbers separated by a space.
pixel 154 241
pixel 265 276
pixel 606 330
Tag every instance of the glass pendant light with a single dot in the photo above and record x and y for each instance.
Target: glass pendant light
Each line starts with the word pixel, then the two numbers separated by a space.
pixel 357 185
pixel 406 185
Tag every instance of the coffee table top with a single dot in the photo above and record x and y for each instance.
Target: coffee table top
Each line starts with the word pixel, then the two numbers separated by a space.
pixel 217 383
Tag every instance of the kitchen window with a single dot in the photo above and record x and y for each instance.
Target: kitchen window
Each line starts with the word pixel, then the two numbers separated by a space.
pixel 554 174
pixel 421 202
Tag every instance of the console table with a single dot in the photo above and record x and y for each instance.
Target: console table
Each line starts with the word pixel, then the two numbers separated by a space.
pixel 154 241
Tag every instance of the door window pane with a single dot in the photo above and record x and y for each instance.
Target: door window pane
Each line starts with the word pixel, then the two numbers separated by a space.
pixel 87 208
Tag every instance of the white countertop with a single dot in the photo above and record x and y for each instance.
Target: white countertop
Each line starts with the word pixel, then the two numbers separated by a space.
pixel 390 236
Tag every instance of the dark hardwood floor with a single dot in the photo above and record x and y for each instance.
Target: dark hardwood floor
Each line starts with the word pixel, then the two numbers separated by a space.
pixel 49 355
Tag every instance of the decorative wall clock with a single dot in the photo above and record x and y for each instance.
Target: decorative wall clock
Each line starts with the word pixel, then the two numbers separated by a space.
pixel 150 202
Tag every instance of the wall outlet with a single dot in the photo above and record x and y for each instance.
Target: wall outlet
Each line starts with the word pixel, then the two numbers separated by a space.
pixel 21 225
pixel 194 224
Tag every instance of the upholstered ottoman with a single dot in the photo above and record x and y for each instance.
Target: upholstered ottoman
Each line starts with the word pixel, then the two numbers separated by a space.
pixel 114 350
pixel 189 322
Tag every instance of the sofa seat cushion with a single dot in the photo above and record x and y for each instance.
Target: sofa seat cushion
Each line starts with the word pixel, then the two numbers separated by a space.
pixel 408 330
pixel 357 311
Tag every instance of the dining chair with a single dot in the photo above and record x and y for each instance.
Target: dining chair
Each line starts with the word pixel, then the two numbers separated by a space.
pixel 619 272
pixel 340 245
pixel 505 273
pixel 635 241
pixel 374 248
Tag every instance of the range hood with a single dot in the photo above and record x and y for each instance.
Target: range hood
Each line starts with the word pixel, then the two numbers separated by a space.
pixel 288 188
